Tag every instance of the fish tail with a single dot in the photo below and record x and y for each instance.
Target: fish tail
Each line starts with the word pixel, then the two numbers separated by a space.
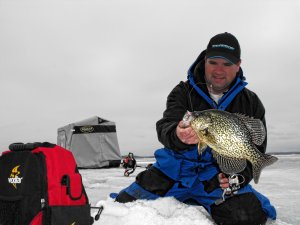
pixel 265 160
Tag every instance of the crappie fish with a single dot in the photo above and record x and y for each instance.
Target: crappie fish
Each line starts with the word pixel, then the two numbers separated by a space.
pixel 232 138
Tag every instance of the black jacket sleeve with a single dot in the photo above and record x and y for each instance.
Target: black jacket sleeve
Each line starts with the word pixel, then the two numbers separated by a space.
pixel 260 114
pixel 177 105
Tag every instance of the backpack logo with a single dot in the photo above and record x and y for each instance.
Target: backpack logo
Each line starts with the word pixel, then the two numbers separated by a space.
pixel 73 223
pixel 14 178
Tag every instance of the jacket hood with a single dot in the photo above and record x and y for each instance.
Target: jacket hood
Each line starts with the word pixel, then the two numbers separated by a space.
pixel 197 70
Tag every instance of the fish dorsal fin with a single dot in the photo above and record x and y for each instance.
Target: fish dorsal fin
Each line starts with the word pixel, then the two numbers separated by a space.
pixel 229 165
pixel 256 128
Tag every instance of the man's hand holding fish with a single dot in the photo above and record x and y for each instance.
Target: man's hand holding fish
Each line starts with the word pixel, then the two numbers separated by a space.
pixel 186 134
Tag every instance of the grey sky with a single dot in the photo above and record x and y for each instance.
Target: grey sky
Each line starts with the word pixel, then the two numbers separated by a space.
pixel 62 61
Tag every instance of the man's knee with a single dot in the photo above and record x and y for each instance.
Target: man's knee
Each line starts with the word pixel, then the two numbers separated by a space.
pixel 242 209
pixel 154 181
pixel 151 181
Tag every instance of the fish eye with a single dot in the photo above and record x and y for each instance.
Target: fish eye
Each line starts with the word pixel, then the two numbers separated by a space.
pixel 196 114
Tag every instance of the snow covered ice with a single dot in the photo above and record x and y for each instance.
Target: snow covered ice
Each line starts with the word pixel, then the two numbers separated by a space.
pixel 278 182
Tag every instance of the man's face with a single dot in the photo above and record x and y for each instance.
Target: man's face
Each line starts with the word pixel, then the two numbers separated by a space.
pixel 219 74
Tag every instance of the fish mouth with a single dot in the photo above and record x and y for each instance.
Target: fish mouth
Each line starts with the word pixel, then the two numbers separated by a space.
pixel 197 113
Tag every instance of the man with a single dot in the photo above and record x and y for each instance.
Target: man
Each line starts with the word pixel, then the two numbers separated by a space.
pixel 215 81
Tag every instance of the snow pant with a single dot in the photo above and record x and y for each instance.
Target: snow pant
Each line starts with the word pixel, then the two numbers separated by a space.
pixel 186 178
pixel 244 209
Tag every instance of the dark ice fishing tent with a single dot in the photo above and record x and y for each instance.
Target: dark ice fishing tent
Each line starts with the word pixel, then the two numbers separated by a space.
pixel 93 142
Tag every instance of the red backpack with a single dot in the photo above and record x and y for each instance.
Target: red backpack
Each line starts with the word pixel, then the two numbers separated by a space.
pixel 40 185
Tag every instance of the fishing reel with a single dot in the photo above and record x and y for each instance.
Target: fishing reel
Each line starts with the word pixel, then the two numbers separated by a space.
pixel 234 186
pixel 129 164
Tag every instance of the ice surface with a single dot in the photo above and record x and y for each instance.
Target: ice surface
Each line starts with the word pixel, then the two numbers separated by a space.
pixel 278 182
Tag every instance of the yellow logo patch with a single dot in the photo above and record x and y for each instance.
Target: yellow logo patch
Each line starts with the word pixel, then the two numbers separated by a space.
pixel 14 178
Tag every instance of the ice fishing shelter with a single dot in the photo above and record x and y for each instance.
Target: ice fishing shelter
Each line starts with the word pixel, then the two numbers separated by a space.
pixel 93 142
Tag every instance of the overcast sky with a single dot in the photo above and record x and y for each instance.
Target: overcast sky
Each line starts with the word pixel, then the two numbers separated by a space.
pixel 62 61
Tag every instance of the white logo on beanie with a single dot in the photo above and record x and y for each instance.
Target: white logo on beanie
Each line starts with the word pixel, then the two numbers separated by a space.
pixel 222 46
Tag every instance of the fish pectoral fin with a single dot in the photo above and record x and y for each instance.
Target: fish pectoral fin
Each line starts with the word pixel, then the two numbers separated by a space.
pixel 230 165
pixel 201 147
pixel 256 128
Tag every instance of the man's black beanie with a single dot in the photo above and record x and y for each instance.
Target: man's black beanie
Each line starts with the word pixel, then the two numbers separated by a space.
pixel 224 45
